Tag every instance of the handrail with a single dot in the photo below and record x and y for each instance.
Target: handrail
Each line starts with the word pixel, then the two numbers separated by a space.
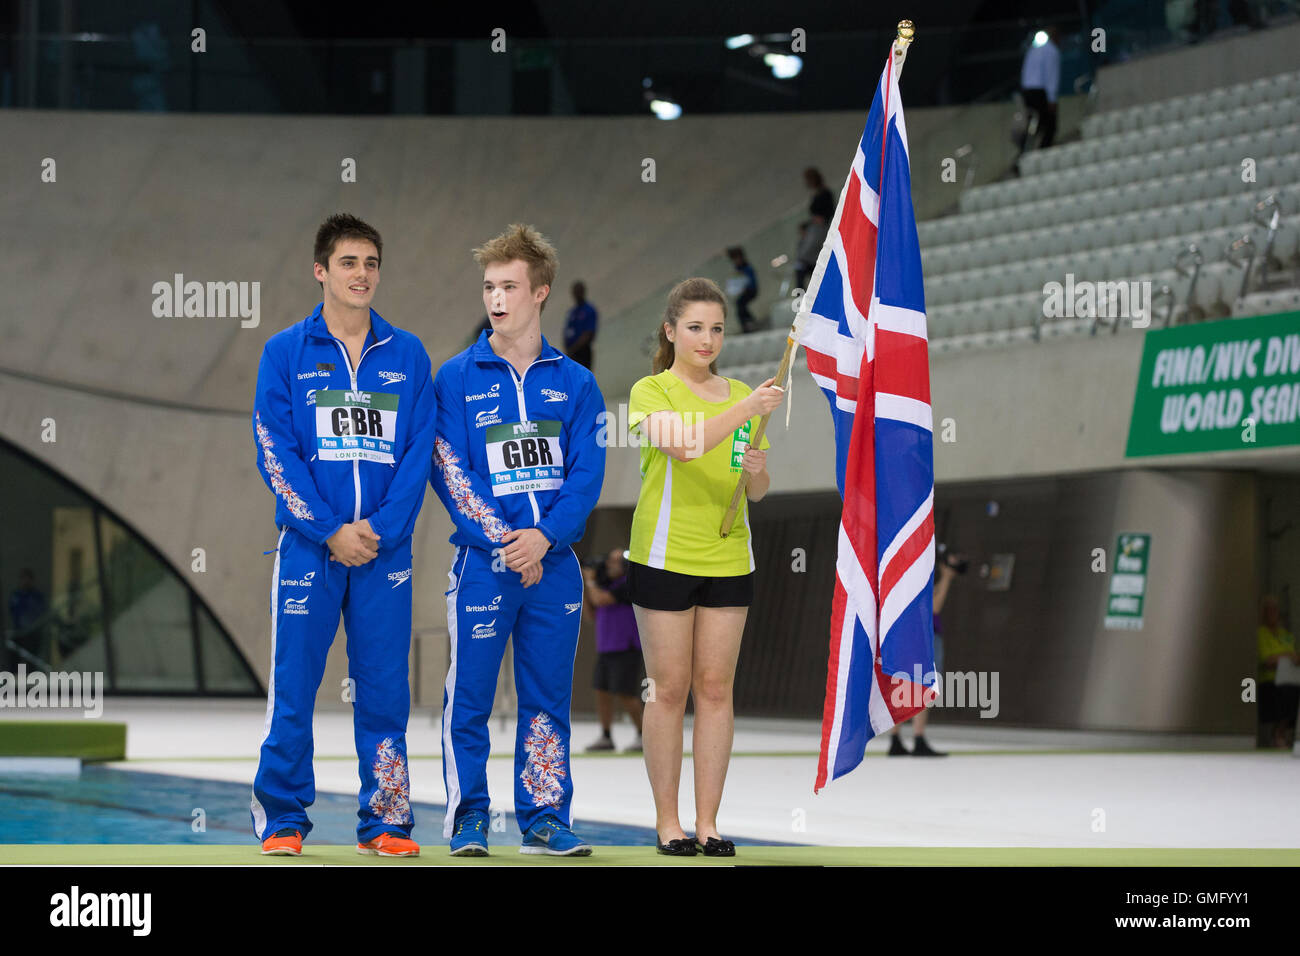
pixel 1270 202
pixel 1232 254
pixel 1193 251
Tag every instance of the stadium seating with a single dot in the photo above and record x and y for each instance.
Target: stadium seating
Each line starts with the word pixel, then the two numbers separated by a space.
pixel 1142 185
pixel 1123 203
pixel 1265 303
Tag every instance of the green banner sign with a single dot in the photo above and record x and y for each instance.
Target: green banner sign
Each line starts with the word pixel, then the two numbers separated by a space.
pixel 1218 386
pixel 1128 583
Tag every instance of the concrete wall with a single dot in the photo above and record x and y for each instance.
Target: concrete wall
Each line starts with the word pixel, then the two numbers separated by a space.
pixel 1185 669
pixel 139 198
pixel 1279 522
pixel 1045 637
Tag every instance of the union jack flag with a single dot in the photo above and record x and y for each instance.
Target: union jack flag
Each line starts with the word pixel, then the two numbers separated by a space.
pixel 865 338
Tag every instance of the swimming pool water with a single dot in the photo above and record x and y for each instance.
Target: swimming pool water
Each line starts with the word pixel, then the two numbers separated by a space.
pixel 107 805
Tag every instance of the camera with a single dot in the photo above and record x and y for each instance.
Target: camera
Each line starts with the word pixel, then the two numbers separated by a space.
pixel 958 562
pixel 596 562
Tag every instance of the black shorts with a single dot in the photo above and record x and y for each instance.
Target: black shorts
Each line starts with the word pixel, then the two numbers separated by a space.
pixel 619 672
pixel 1278 703
pixel 661 590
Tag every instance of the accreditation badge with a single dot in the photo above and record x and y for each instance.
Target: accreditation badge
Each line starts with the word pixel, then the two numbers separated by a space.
pixel 739 442
pixel 356 426
pixel 524 456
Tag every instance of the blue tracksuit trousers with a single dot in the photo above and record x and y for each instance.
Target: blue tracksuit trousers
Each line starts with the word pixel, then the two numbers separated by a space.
pixel 484 608
pixel 308 593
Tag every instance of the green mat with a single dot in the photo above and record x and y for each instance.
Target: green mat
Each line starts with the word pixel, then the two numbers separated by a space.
pixel 87 739
pixel 436 855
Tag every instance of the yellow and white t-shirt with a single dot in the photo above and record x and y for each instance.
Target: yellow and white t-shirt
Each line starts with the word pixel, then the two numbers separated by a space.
pixel 681 505
pixel 1272 642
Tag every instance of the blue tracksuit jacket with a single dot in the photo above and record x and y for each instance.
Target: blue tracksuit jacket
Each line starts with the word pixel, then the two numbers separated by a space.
pixel 493 481
pixel 336 445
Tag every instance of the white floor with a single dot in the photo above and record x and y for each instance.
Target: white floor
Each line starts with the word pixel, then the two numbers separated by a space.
pixel 1197 792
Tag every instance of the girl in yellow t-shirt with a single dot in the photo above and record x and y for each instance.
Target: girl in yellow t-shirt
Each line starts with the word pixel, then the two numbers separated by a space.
pixel 690 587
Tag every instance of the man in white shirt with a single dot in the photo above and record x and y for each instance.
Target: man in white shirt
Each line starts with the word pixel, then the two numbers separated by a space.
pixel 1040 78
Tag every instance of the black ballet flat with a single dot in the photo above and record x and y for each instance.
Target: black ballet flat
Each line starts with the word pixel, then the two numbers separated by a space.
pixel 716 847
pixel 686 846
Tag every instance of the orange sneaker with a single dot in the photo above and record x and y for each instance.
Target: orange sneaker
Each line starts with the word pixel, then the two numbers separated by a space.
pixel 390 844
pixel 283 843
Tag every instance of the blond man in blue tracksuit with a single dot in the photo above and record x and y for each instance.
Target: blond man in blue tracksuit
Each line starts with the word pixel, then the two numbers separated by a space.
pixel 343 426
pixel 518 466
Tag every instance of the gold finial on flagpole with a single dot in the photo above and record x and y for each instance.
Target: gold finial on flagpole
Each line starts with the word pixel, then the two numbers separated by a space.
pixel 906 34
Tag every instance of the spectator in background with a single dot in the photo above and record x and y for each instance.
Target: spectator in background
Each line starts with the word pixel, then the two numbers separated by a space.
pixel 823 200
pixel 150 48
pixel 1278 701
pixel 1178 18
pixel 813 230
pixel 580 327
pixel 27 607
pixel 619 668
pixel 1040 79
pixel 949 566
pixel 744 288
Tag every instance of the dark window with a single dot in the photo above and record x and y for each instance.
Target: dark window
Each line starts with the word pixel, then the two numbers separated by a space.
pixel 84 592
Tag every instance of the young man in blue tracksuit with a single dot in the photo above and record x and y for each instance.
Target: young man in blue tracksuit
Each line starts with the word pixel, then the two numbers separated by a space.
pixel 343 423
pixel 519 468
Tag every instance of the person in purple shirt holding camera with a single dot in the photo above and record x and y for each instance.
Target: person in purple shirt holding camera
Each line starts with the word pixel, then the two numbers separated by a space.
pixel 619 666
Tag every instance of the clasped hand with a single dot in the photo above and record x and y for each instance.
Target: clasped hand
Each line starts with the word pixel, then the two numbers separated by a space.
pixel 354 544
pixel 523 552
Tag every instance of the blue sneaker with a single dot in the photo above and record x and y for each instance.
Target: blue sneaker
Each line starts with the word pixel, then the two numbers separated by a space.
pixel 470 836
pixel 555 839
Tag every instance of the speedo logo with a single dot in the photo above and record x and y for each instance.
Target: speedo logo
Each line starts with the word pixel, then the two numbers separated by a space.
pixel 570 608
pixel 481 631
pixel 493 392
pixel 553 396
pixel 296 605
pixel 488 416
pixel 494 606
pixel 393 378
pixel 400 577
pixel 302 582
